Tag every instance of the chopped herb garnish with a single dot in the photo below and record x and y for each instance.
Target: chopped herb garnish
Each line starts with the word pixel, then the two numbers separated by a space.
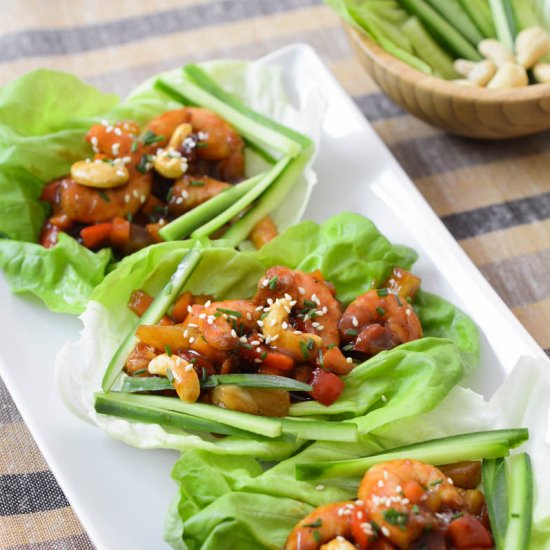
pixel 351 332
pixel 382 292
pixel 392 516
pixel 272 282
pixel 217 314
pixel 140 371
pixel 436 483
pixel 134 147
pixel 108 161
pixel 305 352
pixel 230 312
pixel 330 346
pixel 398 300
pixel 409 299
pixel 169 375
pixel 197 183
pixel 317 523
pixel 104 196
pixel 317 536
pixel 416 509
pixel 263 355
pixel 457 515
pixel 310 343
pixel 380 310
pixel 142 164
pixel 375 526
pixel 169 194
pixel 321 359
pixel 246 346
pixel 202 144
pixel 193 361
pixel 149 137
pixel 309 303
pixel 204 374
pixel 130 217
pixel 159 208
pixel 168 350
pixel 263 315
pixel 348 347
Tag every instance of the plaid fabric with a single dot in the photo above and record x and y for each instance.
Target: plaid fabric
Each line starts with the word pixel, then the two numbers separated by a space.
pixel 493 197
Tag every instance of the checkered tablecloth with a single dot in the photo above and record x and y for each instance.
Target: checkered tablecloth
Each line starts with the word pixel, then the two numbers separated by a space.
pixel 493 196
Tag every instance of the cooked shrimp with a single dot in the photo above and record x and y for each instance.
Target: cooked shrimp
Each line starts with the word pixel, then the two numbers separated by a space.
pixel 89 205
pixel 263 232
pixel 300 346
pixel 190 191
pixel 321 526
pixel 319 309
pixel 116 140
pixel 223 322
pixel 378 320
pixel 403 283
pixel 403 497
pixel 216 139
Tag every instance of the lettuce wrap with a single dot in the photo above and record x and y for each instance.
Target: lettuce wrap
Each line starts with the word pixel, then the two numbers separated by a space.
pixel 352 254
pixel 44 117
pixel 231 502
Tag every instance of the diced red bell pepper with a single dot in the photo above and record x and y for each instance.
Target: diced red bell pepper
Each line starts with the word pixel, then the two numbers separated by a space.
pixel 327 387
pixel 96 235
pixel 120 232
pixel 468 532
pixel 413 490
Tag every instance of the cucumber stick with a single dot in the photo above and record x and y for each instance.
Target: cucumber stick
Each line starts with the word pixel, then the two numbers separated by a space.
pixel 442 31
pixel 520 510
pixel 152 316
pixel 428 49
pixel 270 199
pixel 480 13
pixel 141 384
pixel 474 446
pixel 111 404
pixel 316 430
pixel 504 22
pixel 187 223
pixel 241 204
pixel 455 14
pixel 494 475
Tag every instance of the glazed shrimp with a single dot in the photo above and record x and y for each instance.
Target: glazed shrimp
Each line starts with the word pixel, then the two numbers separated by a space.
pixel 88 205
pixel 403 497
pixel 319 309
pixel 190 191
pixel 223 322
pixel 378 320
pixel 321 526
pixel 216 139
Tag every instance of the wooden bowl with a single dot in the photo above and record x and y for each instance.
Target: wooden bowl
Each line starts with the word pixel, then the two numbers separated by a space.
pixel 472 112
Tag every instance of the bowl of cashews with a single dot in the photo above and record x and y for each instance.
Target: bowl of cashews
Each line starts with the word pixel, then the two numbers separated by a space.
pixel 505 95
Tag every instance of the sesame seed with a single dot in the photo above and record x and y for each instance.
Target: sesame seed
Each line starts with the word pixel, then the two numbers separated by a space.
pixel 189 367
pixel 109 129
pixel 257 360
pixel 321 327
pixel 354 321
pixel 349 360
pixel 115 148
pixel 297 332
pixel 118 131
pixel 254 343
pixel 189 309
pixel 359 515
pixel 385 531
pixel 408 312
pixel 185 194
pixel 179 200
pixel 380 484
pixel 288 296
pixel 233 333
pixel 284 325
pixel 185 333
pixel 120 173
pixel 192 339
pixel 265 282
pixel 126 198
pixel 287 309
pixel 193 325
pixel 450 481
pixel 301 290
pixel 249 315
pixel 385 474
pixel 260 323
pixel 274 338
pixel 258 350
pixel 202 316
pixel 259 308
pixel 135 193
pixel 208 303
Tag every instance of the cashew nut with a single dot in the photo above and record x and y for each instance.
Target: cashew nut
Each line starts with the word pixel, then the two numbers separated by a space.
pixel 339 543
pixel 482 72
pixel 531 44
pixel 100 174
pixel 495 51
pixel 509 75
pixel 464 67
pixel 180 133
pixel 186 382
pixel 541 71
pixel 170 164
pixel 300 346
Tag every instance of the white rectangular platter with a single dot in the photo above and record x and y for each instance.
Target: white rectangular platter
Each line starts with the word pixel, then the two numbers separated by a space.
pixel 120 493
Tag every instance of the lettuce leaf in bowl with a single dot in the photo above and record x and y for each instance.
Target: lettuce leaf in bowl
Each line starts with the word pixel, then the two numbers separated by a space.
pixel 351 253
pixel 44 117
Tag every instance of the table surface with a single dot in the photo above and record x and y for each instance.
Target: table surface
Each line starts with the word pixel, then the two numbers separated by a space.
pixel 493 196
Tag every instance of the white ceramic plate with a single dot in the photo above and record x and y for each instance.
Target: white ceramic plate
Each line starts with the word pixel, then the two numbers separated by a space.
pixel 120 493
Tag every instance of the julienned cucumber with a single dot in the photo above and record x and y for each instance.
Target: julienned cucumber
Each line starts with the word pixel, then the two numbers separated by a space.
pixel 187 223
pixel 495 488
pixel 242 203
pixel 473 446
pixel 201 78
pixel 139 384
pixel 270 199
pixel 251 129
pixel 520 509
pixel 152 316
pixel 112 404
pixel 174 413
pixel 441 30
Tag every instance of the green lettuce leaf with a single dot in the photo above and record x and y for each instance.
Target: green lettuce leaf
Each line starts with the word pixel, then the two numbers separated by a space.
pixel 353 255
pixel 239 507
pixel 44 117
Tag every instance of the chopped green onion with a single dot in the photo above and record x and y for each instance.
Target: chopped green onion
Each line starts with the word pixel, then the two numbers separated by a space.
pixel 351 332
pixel 380 310
pixel 197 183
pixel 168 350
pixel 382 292
pixel 104 196
pixel 150 137
pixel 230 312
pixel 273 282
